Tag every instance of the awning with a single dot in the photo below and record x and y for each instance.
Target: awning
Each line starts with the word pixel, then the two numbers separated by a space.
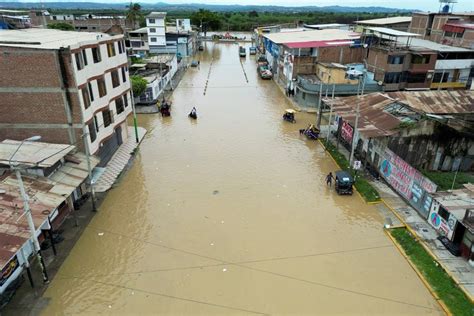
pixel 453 28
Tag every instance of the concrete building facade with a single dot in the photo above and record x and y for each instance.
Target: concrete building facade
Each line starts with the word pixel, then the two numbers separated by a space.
pixel 456 29
pixel 68 87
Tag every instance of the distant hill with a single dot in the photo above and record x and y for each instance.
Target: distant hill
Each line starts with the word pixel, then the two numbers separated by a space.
pixel 194 6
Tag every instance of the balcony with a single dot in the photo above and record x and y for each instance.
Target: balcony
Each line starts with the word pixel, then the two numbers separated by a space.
pixel 311 84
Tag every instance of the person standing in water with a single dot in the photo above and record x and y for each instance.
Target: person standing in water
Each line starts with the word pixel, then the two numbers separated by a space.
pixel 329 178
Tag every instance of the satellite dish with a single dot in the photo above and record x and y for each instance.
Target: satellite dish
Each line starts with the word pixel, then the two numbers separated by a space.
pixel 380 83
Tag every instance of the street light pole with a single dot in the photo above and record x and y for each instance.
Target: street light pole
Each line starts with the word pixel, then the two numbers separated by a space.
pixel 31 224
pixel 135 126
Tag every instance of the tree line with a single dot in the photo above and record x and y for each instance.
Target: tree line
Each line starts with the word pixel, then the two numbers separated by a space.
pixel 239 21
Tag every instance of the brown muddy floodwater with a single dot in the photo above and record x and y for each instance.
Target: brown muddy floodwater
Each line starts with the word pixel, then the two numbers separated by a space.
pixel 229 214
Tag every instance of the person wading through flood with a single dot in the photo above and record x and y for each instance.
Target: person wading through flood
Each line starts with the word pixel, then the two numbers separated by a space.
pixel 329 178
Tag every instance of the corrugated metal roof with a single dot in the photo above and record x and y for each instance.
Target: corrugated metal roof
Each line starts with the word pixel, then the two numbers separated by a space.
pixel 45 195
pixel 375 121
pixel 385 21
pixel 36 154
pixel 391 32
pixel 437 102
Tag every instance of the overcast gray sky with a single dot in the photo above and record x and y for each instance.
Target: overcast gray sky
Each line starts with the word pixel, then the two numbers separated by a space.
pixel 426 5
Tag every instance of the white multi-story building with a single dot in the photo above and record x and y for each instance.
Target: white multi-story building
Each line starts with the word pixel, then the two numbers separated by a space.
pixel 68 87
pixel 156 30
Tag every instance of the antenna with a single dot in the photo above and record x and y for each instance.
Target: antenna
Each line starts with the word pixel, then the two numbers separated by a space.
pixel 446 6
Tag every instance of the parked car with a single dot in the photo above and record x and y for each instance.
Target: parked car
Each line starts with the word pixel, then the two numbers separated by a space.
pixel 253 50
pixel 242 51
pixel 264 72
pixel 262 60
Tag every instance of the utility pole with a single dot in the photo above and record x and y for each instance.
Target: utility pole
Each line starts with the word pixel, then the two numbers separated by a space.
pixel 318 124
pixel 356 120
pixel 330 114
pixel 89 168
pixel 31 224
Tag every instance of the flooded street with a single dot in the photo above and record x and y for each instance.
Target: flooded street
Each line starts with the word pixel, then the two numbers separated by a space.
pixel 230 214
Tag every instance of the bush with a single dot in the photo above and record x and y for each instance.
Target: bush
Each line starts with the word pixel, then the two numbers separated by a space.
pixel 138 85
pixel 61 26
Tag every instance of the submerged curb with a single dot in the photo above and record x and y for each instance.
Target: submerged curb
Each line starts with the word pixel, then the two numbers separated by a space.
pixel 418 272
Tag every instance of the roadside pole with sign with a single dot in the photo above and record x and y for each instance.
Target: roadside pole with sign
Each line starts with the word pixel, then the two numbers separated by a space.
pixel 357 166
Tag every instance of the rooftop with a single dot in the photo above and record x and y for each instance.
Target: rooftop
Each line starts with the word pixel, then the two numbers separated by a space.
pixel 391 32
pixel 49 38
pixel 142 30
pixel 378 111
pixel 436 46
pixel 325 26
pixel 156 15
pixel 45 195
pixel 160 59
pixel 386 21
pixel 36 154
pixel 457 202
pixel 314 38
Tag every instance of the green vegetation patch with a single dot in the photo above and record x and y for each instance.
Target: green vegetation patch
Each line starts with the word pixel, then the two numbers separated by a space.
pixel 442 284
pixel 362 185
pixel 444 180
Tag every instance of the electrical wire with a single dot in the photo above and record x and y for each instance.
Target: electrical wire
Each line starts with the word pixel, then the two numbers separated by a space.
pixel 224 262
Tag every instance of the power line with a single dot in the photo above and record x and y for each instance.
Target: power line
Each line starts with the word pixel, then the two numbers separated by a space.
pixel 241 265
pixel 166 295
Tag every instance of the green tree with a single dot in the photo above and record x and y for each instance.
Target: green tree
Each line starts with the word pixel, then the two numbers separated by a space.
pixel 138 85
pixel 134 13
pixel 253 14
pixel 207 20
pixel 61 26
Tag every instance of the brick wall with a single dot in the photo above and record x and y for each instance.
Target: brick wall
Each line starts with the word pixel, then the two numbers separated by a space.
pixel 28 68
pixel 348 54
pixel 33 93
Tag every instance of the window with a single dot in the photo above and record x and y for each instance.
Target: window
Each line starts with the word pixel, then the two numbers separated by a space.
pixel 443 213
pixel 79 60
pixel 392 77
pixel 119 105
pixel 96 123
pixel 437 77
pixel 124 74
pixel 152 30
pixel 91 94
pixel 396 60
pixel 120 47
pixel 84 57
pixel 125 99
pixel 86 97
pixel 107 117
pixel 135 44
pixel 152 21
pixel 420 59
pixel 153 39
pixel 96 54
pixel 111 49
pixel 101 86
pixel 115 78
pixel 416 78
pixel 92 132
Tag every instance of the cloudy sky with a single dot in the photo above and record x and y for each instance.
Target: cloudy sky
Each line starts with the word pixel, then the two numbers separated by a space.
pixel 427 5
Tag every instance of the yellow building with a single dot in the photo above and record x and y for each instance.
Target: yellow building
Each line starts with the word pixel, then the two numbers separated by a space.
pixel 330 73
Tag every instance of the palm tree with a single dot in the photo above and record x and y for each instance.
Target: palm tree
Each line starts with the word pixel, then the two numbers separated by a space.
pixel 134 13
